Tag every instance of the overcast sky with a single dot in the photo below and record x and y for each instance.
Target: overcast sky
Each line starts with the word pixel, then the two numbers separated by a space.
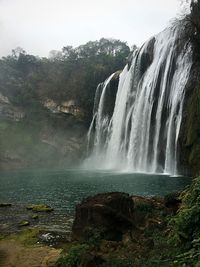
pixel 39 26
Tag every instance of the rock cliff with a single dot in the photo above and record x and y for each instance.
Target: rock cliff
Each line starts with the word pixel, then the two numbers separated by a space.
pixel 46 139
pixel 190 130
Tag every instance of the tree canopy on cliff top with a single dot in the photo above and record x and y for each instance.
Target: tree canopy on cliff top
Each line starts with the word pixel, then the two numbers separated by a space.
pixel 70 74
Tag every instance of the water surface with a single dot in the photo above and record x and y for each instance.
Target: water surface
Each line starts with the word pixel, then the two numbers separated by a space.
pixel 63 189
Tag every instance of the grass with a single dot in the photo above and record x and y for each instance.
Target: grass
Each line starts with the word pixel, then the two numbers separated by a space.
pixel 27 237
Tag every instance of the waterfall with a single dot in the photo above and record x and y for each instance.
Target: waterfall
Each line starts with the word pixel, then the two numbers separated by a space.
pixel 141 134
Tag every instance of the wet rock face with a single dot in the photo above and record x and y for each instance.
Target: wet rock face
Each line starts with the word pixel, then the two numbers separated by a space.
pixel 8 111
pixel 189 137
pixel 194 29
pixel 110 214
pixel 110 97
pixel 147 57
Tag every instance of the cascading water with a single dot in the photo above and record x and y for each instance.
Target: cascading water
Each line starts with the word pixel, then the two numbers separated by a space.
pixel 141 134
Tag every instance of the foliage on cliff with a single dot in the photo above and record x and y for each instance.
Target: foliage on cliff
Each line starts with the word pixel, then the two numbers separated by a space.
pixel 185 233
pixel 70 74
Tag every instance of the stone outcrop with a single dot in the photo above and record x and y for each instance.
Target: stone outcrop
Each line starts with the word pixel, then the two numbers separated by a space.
pixel 119 217
pixel 67 107
pixel 113 227
pixel 7 110
pixel 110 214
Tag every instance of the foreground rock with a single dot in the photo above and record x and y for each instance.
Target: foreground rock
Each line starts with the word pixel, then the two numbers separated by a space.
pixel 109 214
pixel 115 229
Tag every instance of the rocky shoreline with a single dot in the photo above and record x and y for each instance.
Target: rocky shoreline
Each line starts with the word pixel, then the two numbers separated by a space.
pixel 111 220
pixel 109 230
pixel 32 235
pixel 56 227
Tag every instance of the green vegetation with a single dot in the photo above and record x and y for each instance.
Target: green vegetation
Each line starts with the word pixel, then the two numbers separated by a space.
pixel 118 262
pixel 34 134
pixel 185 227
pixel 74 256
pixel 70 74
pixel 34 217
pixel 26 237
pixel 80 255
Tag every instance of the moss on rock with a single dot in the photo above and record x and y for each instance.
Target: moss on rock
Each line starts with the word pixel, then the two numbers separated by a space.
pixel 26 237
pixel 40 208
pixel 24 223
pixel 34 217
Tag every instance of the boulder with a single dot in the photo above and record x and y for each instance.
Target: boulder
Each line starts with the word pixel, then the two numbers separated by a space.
pixel 24 223
pixel 4 205
pixel 109 214
pixel 40 208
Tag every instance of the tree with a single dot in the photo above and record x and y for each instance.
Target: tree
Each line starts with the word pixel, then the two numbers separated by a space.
pixel 17 52
pixel 70 74
pixel 55 55
pixel 69 53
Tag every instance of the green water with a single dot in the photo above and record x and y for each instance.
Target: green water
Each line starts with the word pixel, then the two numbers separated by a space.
pixel 62 190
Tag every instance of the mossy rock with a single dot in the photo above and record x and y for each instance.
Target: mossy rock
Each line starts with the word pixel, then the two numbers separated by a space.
pixel 24 223
pixel 40 208
pixel 3 205
pixel 34 217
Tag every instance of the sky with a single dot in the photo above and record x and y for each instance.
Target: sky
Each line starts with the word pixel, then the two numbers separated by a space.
pixel 39 26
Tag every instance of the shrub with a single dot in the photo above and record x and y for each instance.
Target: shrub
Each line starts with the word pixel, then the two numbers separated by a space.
pixel 118 262
pixel 186 232
pixel 73 257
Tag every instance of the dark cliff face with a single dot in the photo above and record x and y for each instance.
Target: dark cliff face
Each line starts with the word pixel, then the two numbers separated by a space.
pixel 110 98
pixel 189 142
pixel 109 104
